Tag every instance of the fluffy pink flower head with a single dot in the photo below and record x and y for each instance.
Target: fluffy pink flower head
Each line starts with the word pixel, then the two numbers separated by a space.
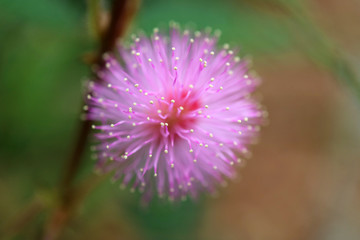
pixel 175 114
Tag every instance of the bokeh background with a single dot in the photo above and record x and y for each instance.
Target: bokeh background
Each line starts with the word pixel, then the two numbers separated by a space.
pixel 303 180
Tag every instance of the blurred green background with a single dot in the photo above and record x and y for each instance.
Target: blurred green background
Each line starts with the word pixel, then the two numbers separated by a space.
pixel 303 180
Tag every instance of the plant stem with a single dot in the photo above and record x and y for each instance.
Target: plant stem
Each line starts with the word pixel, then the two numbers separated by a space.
pixel 121 14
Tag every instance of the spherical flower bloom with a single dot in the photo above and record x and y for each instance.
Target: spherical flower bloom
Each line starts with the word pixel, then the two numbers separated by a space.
pixel 174 114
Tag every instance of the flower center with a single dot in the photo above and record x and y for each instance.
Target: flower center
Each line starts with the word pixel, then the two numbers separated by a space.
pixel 176 113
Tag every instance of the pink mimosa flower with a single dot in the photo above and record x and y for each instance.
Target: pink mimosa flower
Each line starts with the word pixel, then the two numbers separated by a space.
pixel 175 114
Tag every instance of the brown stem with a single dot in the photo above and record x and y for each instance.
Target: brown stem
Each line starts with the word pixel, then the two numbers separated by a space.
pixel 121 15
